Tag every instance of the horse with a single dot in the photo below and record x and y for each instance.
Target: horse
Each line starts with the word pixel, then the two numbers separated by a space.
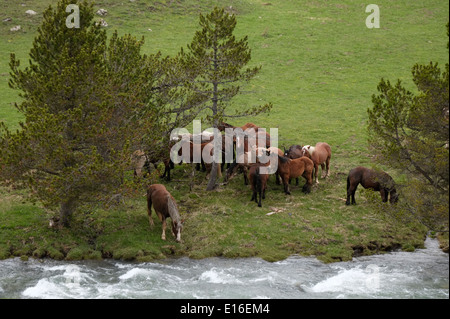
pixel 138 162
pixel 165 207
pixel 295 151
pixel 258 183
pixel 258 133
pixel 371 179
pixel 224 125
pixel 320 155
pixel 243 161
pixel 293 168
pixel 260 151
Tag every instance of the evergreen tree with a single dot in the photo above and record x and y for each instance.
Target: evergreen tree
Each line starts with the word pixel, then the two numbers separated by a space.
pixel 85 104
pixel 411 133
pixel 215 62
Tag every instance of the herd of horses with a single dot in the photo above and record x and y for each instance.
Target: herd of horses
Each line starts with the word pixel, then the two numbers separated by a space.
pixel 292 163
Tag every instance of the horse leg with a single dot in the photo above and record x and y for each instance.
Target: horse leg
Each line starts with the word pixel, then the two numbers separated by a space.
pixel 254 197
pixel 352 192
pixel 322 165
pixel 264 192
pixel 285 180
pixel 164 225
pixel 260 195
pixel 149 211
pixel 351 189
pixel 316 172
pixel 384 195
pixel 245 172
pixel 328 167
pixel 307 187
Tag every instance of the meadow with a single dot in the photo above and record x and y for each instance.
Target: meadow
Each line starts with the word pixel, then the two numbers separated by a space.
pixel 320 67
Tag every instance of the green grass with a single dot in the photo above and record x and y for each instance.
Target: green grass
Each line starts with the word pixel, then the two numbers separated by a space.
pixel 320 67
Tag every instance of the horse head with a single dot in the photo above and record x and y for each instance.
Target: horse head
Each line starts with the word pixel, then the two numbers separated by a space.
pixel 231 171
pixel 306 150
pixel 177 227
pixel 393 196
pixel 261 154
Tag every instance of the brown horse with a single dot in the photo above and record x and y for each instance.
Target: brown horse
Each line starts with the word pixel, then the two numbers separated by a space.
pixel 371 179
pixel 293 168
pixel 295 151
pixel 261 136
pixel 165 207
pixel 258 183
pixel 320 155
pixel 224 125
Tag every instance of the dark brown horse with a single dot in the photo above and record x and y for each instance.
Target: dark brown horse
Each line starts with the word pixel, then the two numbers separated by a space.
pixel 293 168
pixel 320 155
pixel 165 207
pixel 295 151
pixel 258 183
pixel 372 179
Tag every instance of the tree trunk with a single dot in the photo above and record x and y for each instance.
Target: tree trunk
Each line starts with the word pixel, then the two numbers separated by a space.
pixel 65 212
pixel 212 177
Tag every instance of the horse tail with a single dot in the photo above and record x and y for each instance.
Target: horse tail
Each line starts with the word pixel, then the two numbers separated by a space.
pixel 348 182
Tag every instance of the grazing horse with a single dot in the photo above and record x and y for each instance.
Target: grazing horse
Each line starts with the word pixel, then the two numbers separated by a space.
pixel 372 179
pixel 293 168
pixel 138 162
pixel 165 206
pixel 320 155
pixel 258 183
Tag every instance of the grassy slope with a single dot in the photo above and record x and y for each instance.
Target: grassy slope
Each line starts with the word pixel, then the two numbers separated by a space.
pixel 320 67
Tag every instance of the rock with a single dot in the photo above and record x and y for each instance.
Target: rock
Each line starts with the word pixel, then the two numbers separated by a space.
pixel 31 12
pixel 102 12
pixel 7 19
pixel 16 28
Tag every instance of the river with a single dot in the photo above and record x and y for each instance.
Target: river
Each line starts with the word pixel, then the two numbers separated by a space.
pixel 420 274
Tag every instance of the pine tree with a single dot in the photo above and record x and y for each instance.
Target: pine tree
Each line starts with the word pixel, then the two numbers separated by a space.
pixel 216 63
pixel 410 132
pixel 85 104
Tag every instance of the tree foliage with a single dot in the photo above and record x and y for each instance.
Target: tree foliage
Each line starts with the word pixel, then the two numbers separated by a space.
pixel 86 103
pixel 410 132
pixel 216 63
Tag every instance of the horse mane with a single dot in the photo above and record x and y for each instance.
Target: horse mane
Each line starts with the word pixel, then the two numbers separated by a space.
pixel 173 209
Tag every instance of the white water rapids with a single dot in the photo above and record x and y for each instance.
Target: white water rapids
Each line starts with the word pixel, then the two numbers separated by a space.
pixel 420 274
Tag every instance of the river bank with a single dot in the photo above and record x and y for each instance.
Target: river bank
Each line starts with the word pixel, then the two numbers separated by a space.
pixel 223 223
pixel 422 274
